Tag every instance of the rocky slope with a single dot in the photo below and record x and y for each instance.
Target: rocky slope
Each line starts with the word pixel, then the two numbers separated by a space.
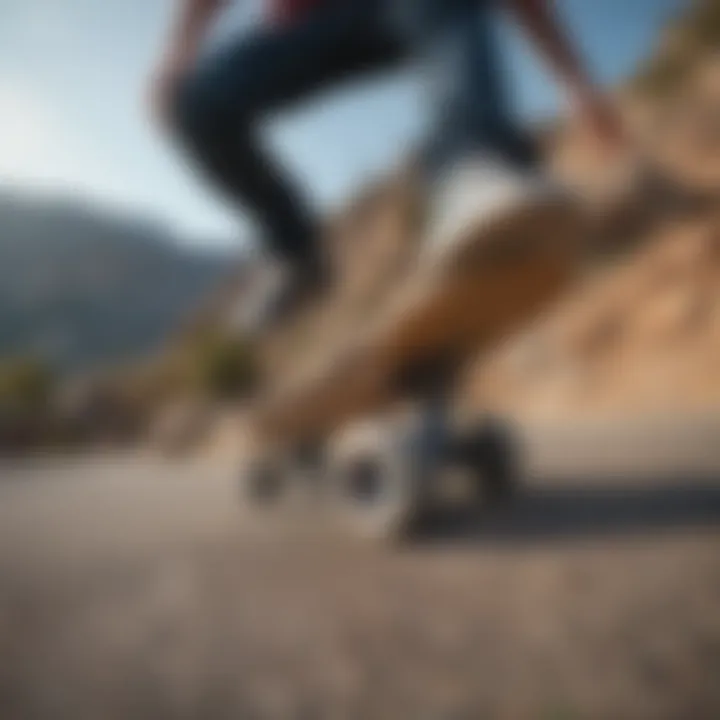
pixel 642 334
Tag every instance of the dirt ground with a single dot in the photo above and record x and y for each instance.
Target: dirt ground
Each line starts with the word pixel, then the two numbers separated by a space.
pixel 134 589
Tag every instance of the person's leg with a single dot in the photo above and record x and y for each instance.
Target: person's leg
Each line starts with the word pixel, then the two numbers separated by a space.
pixel 481 169
pixel 221 103
pixel 456 40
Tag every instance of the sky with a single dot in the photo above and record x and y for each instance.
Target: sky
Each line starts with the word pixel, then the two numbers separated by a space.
pixel 73 121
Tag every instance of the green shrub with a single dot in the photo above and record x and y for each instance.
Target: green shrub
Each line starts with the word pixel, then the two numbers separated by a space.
pixel 222 368
pixel 26 385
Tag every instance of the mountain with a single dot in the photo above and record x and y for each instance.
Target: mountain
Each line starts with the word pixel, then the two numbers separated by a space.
pixel 82 288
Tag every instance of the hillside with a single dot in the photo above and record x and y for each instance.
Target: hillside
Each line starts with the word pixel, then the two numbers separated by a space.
pixel 642 334
pixel 80 288
pixel 642 337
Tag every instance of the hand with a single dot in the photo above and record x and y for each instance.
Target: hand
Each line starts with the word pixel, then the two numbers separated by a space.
pixel 597 114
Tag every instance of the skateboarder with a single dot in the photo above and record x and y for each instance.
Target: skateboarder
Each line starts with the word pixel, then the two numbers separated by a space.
pixel 213 104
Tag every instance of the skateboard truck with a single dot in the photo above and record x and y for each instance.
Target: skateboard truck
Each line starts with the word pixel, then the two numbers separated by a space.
pixel 381 474
pixel 385 472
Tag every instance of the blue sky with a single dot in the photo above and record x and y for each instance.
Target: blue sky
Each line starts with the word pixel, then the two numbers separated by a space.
pixel 73 74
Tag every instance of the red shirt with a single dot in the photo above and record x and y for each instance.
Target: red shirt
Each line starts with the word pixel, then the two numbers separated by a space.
pixel 284 11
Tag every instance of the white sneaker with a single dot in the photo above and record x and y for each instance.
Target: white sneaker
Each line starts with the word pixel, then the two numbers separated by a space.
pixel 487 196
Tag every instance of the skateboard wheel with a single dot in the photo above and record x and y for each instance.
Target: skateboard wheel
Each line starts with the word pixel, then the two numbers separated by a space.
pixel 373 477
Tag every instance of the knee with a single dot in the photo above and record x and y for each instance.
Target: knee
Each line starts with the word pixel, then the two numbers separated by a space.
pixel 199 114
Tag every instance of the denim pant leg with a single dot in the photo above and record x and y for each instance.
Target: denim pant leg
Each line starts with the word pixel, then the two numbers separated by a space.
pixel 456 42
pixel 223 101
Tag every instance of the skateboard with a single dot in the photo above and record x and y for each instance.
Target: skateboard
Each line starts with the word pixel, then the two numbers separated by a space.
pixel 368 421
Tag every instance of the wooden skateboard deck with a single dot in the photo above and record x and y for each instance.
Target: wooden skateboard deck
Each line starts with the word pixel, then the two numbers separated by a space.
pixel 493 279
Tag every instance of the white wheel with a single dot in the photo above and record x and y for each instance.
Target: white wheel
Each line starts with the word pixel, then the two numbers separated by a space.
pixel 377 478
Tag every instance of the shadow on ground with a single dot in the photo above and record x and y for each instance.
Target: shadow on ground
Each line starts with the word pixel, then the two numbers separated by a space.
pixel 596 507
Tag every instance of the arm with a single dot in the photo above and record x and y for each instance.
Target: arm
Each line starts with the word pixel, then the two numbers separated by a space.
pixel 544 28
pixel 190 27
pixel 192 23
